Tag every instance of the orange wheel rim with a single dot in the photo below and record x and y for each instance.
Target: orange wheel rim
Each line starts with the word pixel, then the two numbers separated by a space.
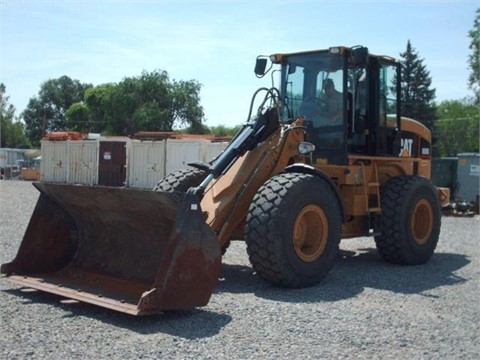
pixel 422 222
pixel 310 233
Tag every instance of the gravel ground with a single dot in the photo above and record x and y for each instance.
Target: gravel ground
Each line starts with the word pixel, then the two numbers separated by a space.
pixel 364 309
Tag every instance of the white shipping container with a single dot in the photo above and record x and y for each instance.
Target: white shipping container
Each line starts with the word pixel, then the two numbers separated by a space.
pixel 146 163
pixel 180 152
pixel 54 161
pixel 213 150
pixel 74 162
pixel 83 162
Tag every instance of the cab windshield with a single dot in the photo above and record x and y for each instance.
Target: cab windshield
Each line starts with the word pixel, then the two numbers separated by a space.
pixel 313 88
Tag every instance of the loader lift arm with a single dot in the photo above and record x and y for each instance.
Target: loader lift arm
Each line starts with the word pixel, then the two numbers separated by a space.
pixel 253 132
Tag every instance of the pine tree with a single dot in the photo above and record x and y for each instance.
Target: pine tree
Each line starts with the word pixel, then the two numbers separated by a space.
pixel 474 58
pixel 416 95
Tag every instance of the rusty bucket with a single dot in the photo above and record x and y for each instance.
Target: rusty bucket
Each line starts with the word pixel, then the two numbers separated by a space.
pixel 135 251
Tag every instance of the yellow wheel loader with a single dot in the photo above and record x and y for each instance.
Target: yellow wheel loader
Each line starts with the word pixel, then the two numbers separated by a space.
pixel 326 156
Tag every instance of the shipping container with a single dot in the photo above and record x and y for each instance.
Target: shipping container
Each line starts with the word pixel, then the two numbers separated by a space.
pixel 151 160
pixel 214 149
pixel 180 152
pixel 444 174
pixel 112 163
pixel 146 163
pixel 468 176
pixel 120 161
pixel 54 166
pixel 83 162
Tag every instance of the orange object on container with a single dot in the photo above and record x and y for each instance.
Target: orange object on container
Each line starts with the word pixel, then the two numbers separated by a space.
pixel 64 135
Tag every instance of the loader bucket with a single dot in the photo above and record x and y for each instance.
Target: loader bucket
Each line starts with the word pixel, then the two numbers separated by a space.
pixel 134 251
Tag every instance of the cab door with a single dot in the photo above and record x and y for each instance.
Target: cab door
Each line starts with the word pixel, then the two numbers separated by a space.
pixel 383 114
pixel 388 141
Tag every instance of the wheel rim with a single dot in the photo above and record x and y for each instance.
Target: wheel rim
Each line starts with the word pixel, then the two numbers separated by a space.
pixel 422 222
pixel 310 233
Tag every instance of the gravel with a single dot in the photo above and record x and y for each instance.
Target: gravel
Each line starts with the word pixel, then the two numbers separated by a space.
pixel 364 309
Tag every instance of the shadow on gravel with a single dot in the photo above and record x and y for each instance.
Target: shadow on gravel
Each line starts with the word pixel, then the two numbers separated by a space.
pixel 353 272
pixel 187 324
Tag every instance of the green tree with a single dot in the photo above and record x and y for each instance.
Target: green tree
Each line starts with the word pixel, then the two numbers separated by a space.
pixel 47 111
pixel 11 130
pixel 7 112
pixel 474 58
pixel 78 116
pixel 416 95
pixel 96 100
pixel 217 130
pixel 186 109
pixel 120 106
pixel 35 117
pixel 457 128
pixel 150 102
pixel 222 130
pixel 15 136
pixel 196 129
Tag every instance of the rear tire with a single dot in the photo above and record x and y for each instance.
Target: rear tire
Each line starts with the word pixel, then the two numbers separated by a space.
pixel 410 220
pixel 293 230
pixel 180 180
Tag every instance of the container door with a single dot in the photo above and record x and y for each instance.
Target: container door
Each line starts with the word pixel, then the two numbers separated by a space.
pixel 180 152
pixel 83 162
pixel 54 161
pixel 146 164
pixel 112 161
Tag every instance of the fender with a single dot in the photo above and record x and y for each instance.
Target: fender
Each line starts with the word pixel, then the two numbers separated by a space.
pixel 308 169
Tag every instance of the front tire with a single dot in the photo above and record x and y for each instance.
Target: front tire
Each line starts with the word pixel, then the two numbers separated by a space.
pixel 293 230
pixel 410 220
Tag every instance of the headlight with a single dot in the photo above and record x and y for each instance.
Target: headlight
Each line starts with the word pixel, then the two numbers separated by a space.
pixel 305 148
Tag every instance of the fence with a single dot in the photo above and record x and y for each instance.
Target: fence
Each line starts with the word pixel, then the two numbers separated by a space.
pixel 15 163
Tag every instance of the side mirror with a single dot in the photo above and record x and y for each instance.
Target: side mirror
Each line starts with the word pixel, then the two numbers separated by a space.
pixel 260 66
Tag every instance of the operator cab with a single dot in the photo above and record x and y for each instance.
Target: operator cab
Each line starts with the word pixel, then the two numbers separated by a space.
pixel 349 98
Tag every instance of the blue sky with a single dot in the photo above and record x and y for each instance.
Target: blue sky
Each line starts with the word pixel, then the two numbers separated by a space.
pixel 216 42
